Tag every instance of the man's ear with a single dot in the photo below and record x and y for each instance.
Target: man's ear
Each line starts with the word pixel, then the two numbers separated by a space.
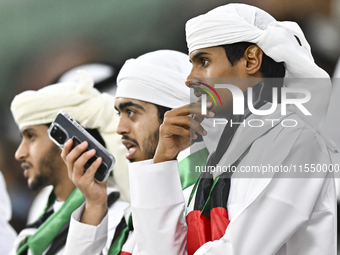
pixel 253 56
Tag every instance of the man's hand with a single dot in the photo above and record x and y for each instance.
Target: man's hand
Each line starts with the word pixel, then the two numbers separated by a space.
pixel 178 129
pixel 94 192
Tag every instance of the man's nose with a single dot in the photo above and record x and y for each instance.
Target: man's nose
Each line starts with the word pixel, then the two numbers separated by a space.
pixel 22 151
pixel 123 127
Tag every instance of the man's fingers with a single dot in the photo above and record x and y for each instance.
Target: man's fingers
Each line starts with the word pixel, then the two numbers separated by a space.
pixel 182 121
pixel 81 161
pixel 168 131
pixel 197 118
pixel 91 171
pixel 196 109
pixel 195 126
pixel 66 149
pixel 64 153
pixel 72 156
pixel 186 122
pixel 193 108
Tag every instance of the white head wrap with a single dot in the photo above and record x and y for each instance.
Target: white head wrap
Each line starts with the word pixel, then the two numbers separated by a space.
pixel 281 41
pixel 83 103
pixel 157 77
pixel 79 99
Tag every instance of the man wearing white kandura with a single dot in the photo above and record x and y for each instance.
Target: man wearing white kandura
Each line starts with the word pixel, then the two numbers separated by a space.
pixel 40 159
pixel 148 86
pixel 238 211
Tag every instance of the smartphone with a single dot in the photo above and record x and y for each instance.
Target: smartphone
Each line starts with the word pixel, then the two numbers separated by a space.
pixel 65 127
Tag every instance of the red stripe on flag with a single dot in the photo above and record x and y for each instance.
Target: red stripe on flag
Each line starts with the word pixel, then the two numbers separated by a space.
pixel 125 253
pixel 219 222
pixel 198 231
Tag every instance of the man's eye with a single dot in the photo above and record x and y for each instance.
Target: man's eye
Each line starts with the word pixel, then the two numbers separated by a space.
pixel 130 112
pixel 30 136
pixel 204 61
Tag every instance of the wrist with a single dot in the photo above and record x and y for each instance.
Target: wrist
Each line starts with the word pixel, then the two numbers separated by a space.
pixel 159 158
pixel 96 205
pixel 94 213
pixel 96 199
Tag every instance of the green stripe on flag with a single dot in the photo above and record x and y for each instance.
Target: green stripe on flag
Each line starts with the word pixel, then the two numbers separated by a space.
pixel 188 165
pixel 117 245
pixel 45 234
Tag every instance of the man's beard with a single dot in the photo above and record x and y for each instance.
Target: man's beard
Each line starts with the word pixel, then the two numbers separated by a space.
pixel 149 145
pixel 46 166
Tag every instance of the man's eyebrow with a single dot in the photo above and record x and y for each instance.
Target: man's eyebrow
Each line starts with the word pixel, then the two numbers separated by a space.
pixel 124 105
pixel 197 55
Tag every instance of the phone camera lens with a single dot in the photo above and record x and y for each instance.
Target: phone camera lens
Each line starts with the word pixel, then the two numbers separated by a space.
pixel 58 135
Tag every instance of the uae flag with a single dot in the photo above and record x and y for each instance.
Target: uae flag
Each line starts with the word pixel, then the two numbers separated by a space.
pixel 208 218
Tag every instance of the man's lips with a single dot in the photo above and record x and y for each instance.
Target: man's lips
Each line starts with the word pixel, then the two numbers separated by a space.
pixel 132 147
pixel 197 89
pixel 26 168
pixel 198 93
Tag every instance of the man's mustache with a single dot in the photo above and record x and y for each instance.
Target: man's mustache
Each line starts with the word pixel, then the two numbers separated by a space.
pixel 125 137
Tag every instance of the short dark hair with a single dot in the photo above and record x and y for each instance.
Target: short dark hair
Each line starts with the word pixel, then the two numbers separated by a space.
pixel 269 68
pixel 161 110
pixel 94 132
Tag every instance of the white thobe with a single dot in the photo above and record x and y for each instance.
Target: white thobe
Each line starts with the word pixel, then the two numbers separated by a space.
pixel 85 239
pixel 96 239
pixel 272 215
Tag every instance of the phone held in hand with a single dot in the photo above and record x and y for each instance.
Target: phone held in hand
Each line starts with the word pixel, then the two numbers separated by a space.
pixel 65 127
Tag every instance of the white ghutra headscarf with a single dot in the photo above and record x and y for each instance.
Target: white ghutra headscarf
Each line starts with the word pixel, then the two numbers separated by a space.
pixel 281 41
pixel 157 77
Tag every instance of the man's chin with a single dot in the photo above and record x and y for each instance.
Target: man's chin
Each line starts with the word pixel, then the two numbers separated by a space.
pixel 136 159
pixel 34 187
pixel 142 156
pixel 36 184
